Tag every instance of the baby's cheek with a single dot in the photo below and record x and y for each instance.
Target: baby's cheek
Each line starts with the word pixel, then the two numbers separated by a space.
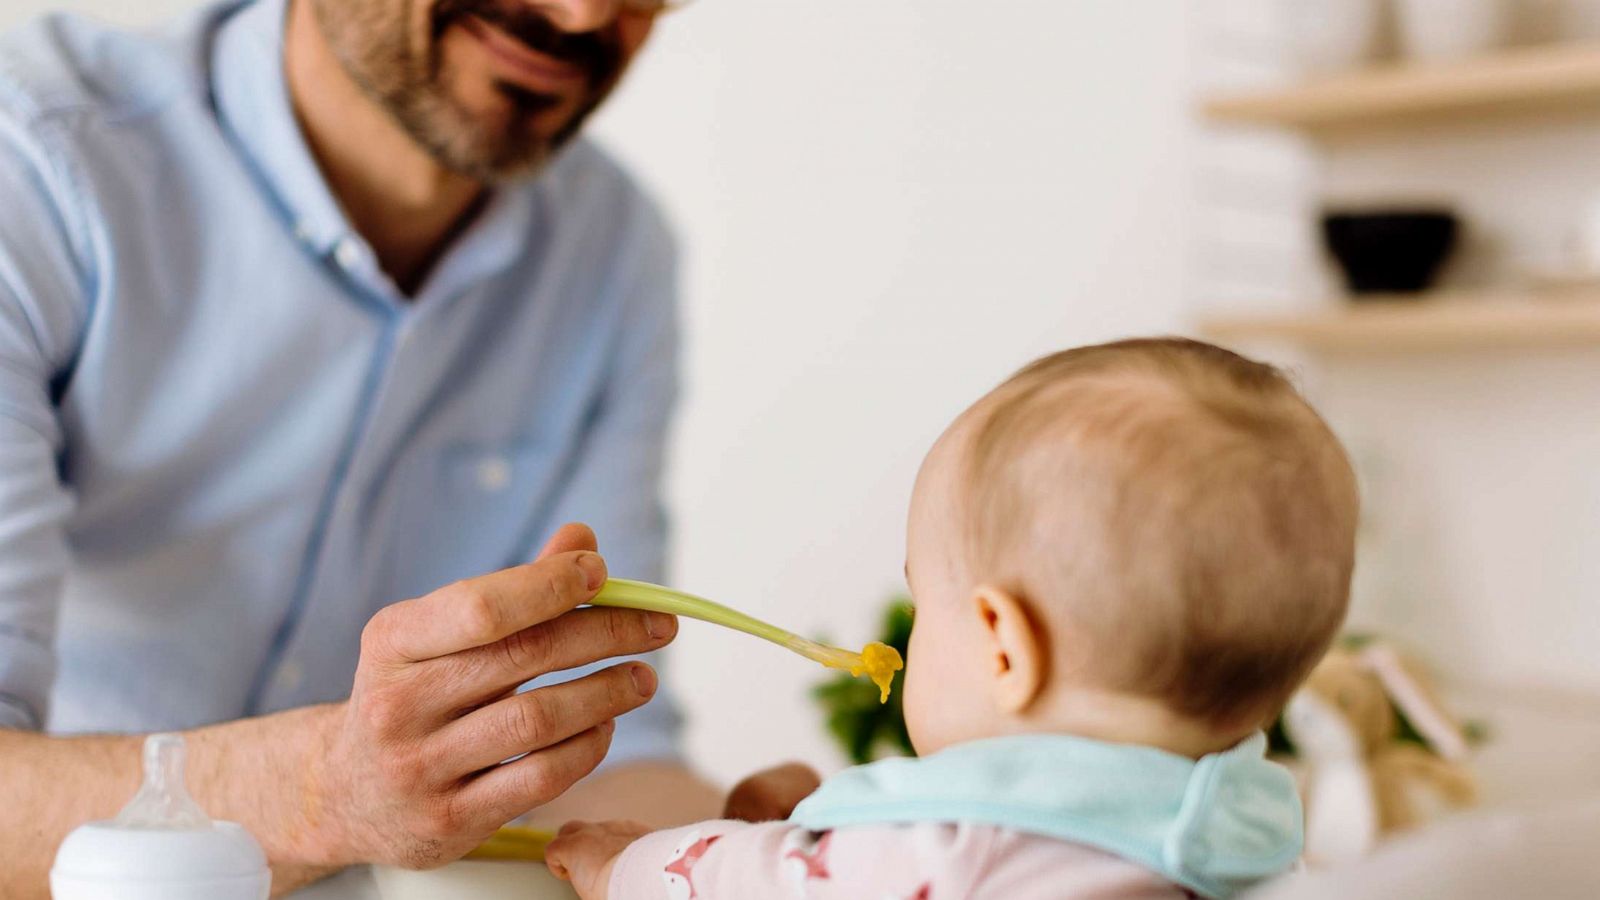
pixel 931 685
pixel 911 701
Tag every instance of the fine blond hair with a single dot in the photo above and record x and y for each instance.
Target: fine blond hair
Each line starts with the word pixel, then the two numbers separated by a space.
pixel 1185 505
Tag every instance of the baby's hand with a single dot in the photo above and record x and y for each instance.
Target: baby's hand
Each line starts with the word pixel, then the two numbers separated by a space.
pixel 771 794
pixel 584 853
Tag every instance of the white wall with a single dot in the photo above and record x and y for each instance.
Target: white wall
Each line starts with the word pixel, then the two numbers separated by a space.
pixel 887 206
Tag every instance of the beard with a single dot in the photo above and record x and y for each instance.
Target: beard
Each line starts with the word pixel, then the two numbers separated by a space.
pixel 370 38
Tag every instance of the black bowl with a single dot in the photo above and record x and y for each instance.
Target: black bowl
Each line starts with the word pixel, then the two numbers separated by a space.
pixel 1390 251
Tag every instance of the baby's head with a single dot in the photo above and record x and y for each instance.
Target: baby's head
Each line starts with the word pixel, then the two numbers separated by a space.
pixel 1148 541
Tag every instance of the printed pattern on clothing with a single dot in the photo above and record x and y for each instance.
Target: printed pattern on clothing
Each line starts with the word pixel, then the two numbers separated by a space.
pixel 678 874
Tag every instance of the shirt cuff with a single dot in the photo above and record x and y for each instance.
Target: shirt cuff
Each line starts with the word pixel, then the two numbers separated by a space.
pixel 641 868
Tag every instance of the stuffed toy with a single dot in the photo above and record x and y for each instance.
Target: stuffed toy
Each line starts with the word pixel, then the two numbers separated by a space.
pixel 1376 751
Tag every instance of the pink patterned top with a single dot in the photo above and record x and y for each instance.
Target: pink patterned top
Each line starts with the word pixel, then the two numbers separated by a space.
pixel 724 860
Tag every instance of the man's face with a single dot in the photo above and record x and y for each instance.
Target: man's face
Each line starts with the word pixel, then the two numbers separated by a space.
pixel 490 88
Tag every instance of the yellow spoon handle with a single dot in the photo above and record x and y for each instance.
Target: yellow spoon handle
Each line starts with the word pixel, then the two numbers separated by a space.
pixel 877 661
pixel 514 842
pixel 622 592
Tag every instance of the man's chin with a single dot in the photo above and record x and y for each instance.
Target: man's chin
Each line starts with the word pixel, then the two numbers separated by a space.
pixel 497 146
pixel 490 130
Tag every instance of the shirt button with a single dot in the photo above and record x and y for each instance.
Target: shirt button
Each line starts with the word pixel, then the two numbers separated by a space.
pixel 494 473
pixel 347 253
pixel 302 233
pixel 290 674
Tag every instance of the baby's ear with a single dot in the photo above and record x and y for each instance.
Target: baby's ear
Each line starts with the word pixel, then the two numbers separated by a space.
pixel 1012 645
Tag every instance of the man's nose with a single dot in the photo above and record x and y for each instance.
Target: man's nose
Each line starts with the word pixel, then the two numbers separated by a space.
pixel 578 16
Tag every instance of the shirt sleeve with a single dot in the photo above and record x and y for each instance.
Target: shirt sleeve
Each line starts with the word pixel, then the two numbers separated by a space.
pixel 616 488
pixel 42 291
pixel 912 861
pixel 722 859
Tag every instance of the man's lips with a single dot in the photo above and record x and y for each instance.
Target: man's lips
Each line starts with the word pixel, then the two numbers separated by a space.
pixel 532 69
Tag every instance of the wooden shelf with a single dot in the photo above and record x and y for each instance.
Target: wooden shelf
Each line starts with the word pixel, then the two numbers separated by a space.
pixel 1446 322
pixel 1534 78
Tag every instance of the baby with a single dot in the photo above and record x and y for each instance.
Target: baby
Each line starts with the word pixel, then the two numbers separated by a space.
pixel 1124 561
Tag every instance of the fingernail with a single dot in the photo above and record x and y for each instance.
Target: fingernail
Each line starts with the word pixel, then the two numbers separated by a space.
pixel 594 570
pixel 644 679
pixel 660 625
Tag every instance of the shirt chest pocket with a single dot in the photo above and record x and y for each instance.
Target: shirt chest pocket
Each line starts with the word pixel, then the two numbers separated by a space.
pixel 468 509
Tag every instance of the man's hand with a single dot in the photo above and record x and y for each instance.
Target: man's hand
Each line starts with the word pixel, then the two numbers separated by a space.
pixel 415 773
pixel 584 854
pixel 771 794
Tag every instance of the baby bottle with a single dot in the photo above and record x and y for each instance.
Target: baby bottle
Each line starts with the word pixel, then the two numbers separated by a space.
pixel 162 846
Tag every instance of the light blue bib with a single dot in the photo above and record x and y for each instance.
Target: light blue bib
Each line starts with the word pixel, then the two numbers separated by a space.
pixel 1216 825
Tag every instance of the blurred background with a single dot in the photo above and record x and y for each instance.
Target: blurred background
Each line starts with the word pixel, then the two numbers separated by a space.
pixel 886 207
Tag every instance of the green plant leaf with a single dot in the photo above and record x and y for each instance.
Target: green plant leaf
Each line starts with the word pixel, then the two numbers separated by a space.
pixel 860 724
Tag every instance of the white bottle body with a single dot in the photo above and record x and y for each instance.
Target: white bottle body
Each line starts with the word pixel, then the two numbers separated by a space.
pixel 247 888
pixel 109 861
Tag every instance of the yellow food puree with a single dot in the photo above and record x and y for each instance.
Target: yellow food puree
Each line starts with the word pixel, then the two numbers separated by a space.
pixel 879 662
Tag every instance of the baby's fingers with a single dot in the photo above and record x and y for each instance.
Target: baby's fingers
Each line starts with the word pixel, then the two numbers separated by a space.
pixel 582 854
pixel 565 853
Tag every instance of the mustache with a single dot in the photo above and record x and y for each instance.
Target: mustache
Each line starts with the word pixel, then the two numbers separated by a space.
pixel 596 52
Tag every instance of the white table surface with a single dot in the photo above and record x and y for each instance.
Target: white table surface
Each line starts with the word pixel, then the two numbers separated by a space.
pixel 351 884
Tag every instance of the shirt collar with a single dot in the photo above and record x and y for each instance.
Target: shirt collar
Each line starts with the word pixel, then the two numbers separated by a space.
pixel 252 99
pixel 1215 825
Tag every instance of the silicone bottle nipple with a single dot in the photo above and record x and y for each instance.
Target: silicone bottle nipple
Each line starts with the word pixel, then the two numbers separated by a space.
pixel 162 846
pixel 163 801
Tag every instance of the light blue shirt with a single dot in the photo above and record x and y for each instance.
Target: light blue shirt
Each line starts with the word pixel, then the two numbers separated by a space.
pixel 1217 825
pixel 226 439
